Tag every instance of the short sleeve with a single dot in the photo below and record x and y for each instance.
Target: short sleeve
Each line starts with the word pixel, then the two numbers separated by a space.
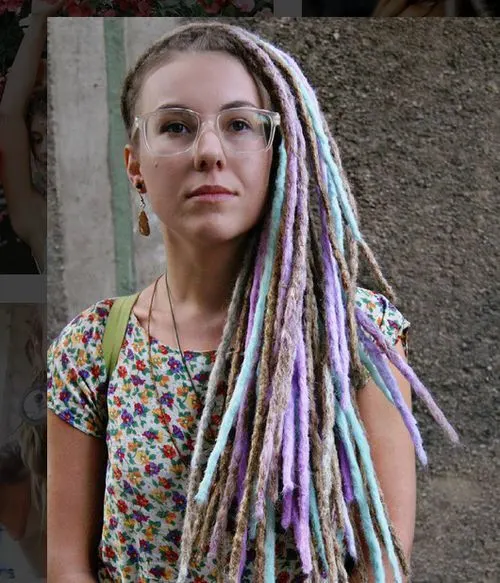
pixel 391 321
pixel 76 372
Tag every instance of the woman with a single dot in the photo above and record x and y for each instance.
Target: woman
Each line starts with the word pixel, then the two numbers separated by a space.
pixel 23 136
pixel 223 438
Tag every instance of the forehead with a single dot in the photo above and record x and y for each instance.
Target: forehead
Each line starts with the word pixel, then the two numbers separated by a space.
pixel 202 81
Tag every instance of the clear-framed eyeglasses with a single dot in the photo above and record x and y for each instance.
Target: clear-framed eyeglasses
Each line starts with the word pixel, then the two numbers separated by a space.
pixel 169 131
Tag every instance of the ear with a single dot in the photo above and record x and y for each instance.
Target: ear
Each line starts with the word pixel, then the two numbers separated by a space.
pixel 133 165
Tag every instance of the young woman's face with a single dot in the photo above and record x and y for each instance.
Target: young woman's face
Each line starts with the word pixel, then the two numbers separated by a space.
pixel 205 82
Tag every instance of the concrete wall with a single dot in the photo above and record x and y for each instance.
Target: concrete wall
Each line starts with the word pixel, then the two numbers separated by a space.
pixel 414 107
pixel 83 192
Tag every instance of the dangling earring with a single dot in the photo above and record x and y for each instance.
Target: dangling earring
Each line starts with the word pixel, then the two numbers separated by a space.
pixel 143 217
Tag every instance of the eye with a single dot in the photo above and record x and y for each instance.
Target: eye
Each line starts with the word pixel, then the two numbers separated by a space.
pixel 174 127
pixel 239 125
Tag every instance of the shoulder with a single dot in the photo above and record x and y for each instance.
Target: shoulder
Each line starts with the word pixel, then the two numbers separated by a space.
pixel 391 321
pixel 76 371
pixel 84 331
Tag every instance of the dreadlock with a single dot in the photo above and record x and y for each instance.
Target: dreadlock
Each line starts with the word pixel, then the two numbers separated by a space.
pixel 291 448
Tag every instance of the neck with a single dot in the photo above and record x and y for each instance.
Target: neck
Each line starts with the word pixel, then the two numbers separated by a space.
pixel 202 279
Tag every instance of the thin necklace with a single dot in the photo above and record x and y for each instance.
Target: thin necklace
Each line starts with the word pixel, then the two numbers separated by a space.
pixel 152 368
pixel 177 336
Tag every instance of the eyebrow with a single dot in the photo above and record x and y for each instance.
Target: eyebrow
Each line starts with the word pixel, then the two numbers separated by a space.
pixel 230 105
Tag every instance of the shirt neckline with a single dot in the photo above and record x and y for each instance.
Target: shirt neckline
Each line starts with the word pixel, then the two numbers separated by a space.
pixel 166 348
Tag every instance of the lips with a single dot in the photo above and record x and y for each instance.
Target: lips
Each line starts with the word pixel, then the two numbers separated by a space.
pixel 208 189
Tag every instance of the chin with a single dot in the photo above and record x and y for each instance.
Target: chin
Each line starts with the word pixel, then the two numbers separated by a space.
pixel 217 231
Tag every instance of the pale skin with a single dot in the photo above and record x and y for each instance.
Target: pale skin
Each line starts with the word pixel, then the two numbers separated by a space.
pixel 203 245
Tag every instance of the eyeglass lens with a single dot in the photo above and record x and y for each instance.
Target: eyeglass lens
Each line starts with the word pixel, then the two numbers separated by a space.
pixel 171 131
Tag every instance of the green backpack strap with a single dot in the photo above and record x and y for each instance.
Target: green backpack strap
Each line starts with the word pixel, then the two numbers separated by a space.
pixel 116 327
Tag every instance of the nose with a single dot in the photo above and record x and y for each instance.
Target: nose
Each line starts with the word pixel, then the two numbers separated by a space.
pixel 208 151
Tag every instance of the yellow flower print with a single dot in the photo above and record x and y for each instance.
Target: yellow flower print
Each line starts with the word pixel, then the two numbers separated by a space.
pixel 171 518
pixel 129 522
pixel 177 468
pixel 137 346
pixel 159 496
pixel 135 477
pixel 81 358
pixel 132 446
pixel 114 414
pixel 142 458
pixel 193 402
pixel 186 422
pixel 156 360
pixel 182 391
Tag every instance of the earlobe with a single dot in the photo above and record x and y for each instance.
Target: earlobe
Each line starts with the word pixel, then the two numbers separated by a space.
pixel 132 165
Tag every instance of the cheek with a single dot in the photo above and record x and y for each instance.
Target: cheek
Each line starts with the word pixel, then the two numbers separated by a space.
pixel 256 177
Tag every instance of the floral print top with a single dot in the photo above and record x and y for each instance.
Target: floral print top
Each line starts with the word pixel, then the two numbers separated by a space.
pixel 146 481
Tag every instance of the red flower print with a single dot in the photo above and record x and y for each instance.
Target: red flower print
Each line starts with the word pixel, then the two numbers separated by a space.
pixel 122 372
pixel 141 500
pixel 117 473
pixel 109 552
pixel 141 365
pixel 190 443
pixel 122 538
pixel 165 483
pixel 72 375
pixel 164 418
pixel 96 371
pixel 122 506
pixel 169 451
pixel 171 555
pixel 117 401
pixel 216 419
pixel 163 349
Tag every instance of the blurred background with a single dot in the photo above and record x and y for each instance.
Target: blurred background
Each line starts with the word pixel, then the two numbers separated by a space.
pixel 22 443
pixel 418 8
pixel 413 104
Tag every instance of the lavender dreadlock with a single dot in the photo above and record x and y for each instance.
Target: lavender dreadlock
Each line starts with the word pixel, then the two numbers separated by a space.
pixel 294 350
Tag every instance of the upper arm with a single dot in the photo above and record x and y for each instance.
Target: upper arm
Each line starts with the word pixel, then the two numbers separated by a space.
pixel 76 465
pixel 392 452
pixel 77 420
